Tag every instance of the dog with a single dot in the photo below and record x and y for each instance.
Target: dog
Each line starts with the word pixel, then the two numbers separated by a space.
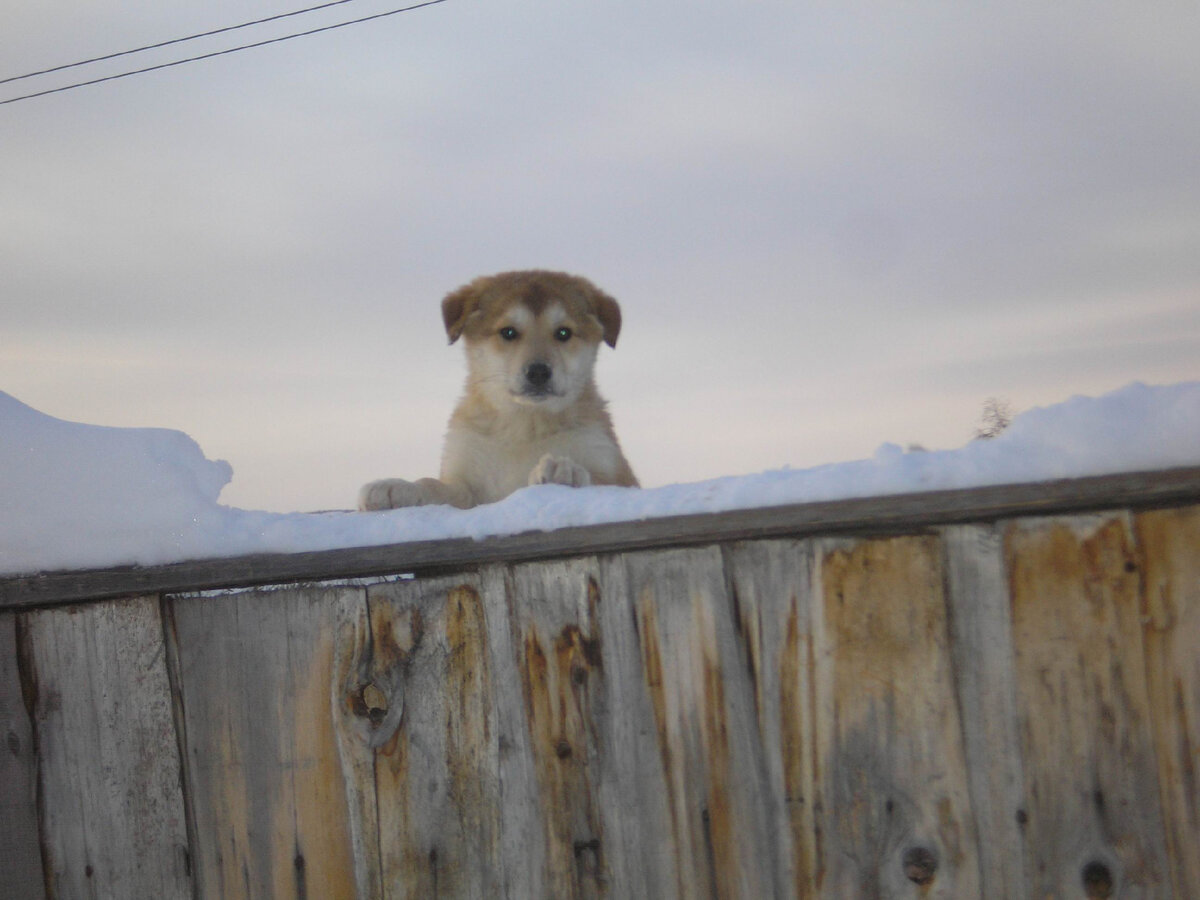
pixel 530 412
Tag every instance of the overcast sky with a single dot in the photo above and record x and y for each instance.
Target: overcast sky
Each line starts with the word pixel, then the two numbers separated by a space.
pixel 829 226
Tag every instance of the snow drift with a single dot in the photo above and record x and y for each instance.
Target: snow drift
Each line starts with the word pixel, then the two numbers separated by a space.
pixel 77 496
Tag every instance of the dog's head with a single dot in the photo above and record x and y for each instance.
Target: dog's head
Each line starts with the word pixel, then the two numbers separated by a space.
pixel 532 336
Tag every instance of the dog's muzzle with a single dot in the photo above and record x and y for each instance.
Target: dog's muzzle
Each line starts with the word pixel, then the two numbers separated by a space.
pixel 537 379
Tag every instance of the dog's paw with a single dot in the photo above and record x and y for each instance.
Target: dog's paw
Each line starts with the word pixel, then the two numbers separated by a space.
pixel 559 470
pixel 390 493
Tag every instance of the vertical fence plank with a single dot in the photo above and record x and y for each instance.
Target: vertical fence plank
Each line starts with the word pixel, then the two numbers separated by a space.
pixel 437 755
pixel 1092 816
pixel 602 788
pixel 697 679
pixel 637 843
pixel 1169 548
pixel 20 853
pixel 259 685
pixel 896 798
pixel 983 654
pixel 773 599
pixel 524 831
pixel 559 646
pixel 359 710
pixel 113 821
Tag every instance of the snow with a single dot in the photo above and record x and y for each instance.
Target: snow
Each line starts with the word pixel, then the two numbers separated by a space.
pixel 76 496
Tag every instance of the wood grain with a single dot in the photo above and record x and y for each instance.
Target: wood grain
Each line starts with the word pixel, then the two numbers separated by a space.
pixel 1092 818
pixel 1169 558
pixel 111 806
pixel 694 670
pixel 773 596
pixel 895 789
pixel 558 638
pixel 437 771
pixel 258 689
pixel 983 656
pixel 20 852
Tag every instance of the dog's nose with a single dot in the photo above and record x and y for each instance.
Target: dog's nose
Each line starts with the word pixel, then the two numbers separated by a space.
pixel 538 374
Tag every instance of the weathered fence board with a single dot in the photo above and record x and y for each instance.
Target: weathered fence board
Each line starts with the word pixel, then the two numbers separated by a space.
pixel 437 769
pixel 703 706
pixel 1168 543
pixel 1091 783
pixel 562 661
pixel 111 806
pixel 260 700
pixel 995 709
pixel 982 648
pixel 20 855
pixel 772 590
pixel 897 796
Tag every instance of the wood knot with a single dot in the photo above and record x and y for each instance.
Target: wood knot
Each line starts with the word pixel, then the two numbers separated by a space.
pixel 562 748
pixel 369 702
pixel 920 864
pixel 1097 879
pixel 588 846
pixel 590 865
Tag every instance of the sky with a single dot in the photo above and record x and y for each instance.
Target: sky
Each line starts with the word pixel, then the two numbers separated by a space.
pixel 829 226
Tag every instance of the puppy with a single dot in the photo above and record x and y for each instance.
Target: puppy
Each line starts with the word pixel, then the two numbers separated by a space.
pixel 530 413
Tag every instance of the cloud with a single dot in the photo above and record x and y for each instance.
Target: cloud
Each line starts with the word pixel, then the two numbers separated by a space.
pixel 793 201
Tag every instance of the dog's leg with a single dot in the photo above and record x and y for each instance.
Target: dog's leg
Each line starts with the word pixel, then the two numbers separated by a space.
pixel 559 470
pixel 394 493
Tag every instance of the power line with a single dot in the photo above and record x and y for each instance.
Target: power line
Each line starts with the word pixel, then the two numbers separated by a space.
pixel 180 62
pixel 191 37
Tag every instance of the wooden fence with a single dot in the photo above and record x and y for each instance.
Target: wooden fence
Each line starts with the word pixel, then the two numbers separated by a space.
pixel 984 693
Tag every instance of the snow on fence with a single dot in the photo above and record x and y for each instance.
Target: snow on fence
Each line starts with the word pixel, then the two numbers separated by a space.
pixel 992 692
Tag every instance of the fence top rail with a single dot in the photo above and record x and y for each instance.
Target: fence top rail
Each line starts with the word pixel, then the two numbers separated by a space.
pixel 867 516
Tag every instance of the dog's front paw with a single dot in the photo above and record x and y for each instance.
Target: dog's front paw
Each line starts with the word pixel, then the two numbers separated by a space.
pixel 559 470
pixel 390 493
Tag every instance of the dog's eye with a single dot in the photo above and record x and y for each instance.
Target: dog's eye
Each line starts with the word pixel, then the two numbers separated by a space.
pixel 509 333
pixel 563 334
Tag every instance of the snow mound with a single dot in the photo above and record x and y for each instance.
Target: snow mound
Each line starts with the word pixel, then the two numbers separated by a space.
pixel 80 496
pixel 83 495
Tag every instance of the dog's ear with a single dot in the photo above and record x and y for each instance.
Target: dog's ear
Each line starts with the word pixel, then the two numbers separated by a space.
pixel 609 313
pixel 457 307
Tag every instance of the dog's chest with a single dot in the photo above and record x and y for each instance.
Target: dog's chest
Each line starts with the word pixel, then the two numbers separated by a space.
pixel 496 465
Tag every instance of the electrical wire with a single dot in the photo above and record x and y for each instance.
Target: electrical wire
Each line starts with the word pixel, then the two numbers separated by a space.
pixel 180 62
pixel 191 37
